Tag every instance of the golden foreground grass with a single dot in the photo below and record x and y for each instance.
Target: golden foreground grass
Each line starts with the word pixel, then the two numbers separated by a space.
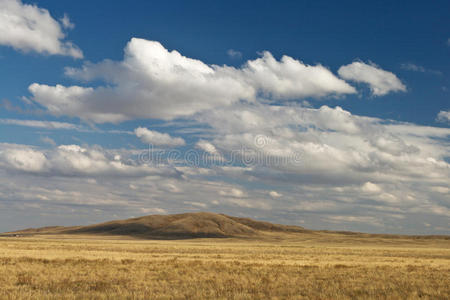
pixel 310 266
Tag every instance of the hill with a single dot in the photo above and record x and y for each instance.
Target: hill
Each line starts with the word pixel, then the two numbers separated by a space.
pixel 177 226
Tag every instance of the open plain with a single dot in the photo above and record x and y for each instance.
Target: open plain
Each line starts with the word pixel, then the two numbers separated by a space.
pixel 309 265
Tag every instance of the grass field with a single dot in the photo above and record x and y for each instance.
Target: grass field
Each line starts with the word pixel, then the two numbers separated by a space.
pixel 310 266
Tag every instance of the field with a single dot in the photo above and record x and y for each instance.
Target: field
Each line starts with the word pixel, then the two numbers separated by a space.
pixel 318 266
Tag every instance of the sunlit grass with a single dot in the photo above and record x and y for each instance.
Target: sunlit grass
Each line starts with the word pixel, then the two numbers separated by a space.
pixel 318 267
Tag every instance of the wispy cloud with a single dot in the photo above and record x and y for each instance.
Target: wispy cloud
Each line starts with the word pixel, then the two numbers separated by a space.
pixel 41 124
pixel 48 140
pixel 234 54
pixel 418 68
pixel 56 125
pixel 65 21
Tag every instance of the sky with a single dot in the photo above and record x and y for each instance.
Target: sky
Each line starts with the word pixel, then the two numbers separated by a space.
pixel 323 114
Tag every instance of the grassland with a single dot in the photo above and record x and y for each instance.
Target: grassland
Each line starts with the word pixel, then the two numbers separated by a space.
pixel 309 266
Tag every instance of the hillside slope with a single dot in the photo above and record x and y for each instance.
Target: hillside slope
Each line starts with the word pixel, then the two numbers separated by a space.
pixel 187 225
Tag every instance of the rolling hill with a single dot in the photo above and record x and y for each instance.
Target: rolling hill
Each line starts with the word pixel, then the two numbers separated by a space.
pixel 187 225
pixel 207 225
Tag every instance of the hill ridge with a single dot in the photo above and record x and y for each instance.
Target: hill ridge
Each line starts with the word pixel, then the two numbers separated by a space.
pixel 175 226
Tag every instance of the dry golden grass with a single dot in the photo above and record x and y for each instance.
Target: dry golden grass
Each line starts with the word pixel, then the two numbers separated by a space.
pixel 309 266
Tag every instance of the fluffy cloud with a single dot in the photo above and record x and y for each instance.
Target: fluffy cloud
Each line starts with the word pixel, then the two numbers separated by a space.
pixel 233 192
pixel 381 82
pixel 443 116
pixel 348 167
pixel 207 147
pixel 378 174
pixel 335 119
pixel 370 187
pixel 363 160
pixel 157 138
pixel 291 79
pixel 23 159
pixel 152 82
pixel 326 145
pixel 74 160
pixel 30 28
pixel 275 194
pixel 324 167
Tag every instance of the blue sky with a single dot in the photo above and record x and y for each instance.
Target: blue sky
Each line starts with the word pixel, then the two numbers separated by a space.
pixel 389 34
pixel 362 97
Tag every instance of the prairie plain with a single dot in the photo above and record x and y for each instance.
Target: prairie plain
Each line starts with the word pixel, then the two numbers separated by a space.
pixel 310 265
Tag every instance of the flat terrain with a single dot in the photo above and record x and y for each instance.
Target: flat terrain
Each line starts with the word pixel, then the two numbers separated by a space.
pixel 310 265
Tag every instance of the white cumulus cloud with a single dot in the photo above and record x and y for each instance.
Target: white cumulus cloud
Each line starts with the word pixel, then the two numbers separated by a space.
pixel 275 194
pixel 381 82
pixel 370 187
pixel 443 116
pixel 206 146
pixel 291 79
pixel 74 161
pixel 157 138
pixel 29 28
pixel 153 82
